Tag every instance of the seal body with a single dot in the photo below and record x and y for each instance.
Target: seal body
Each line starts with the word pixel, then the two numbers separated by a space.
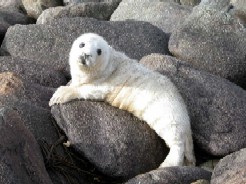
pixel 99 72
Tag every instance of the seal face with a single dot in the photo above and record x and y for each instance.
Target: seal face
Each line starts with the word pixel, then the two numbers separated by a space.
pixel 89 51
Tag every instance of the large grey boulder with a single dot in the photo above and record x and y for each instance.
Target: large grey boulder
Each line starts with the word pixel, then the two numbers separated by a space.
pixel 34 8
pixel 9 18
pixel 21 160
pixel 231 169
pixel 37 120
pixel 118 144
pixel 100 11
pixel 182 175
pixel 214 41
pixel 12 4
pixel 50 44
pixel 14 89
pixel 166 15
pixel 31 103
pixel 32 72
pixel 216 106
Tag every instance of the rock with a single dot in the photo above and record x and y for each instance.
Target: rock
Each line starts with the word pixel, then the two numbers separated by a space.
pixel 52 42
pixel 37 120
pixel 223 4
pixel 34 8
pixel 118 144
pixel 32 72
pixel 190 2
pixel 21 160
pixel 213 41
pixel 31 103
pixel 72 2
pixel 184 2
pixel 216 106
pixel 100 11
pixel 184 175
pixel 27 100
pixel 9 18
pixel 231 169
pixel 236 8
pixel 12 4
pixel 165 15
pixel 14 89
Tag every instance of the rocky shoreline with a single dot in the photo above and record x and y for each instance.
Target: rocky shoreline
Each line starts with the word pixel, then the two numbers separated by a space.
pixel 199 44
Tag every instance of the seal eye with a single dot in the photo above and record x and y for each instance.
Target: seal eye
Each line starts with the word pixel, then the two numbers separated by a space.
pixel 81 45
pixel 99 52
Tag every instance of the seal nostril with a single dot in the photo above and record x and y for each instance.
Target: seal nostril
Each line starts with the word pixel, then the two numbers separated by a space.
pixel 83 59
pixel 83 62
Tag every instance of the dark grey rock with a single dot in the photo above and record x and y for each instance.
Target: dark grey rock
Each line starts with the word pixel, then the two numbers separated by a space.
pixel 100 11
pixel 31 103
pixel 216 106
pixel 34 8
pixel 214 41
pixel 14 89
pixel 231 169
pixel 33 72
pixel 12 4
pixel 118 144
pixel 177 175
pixel 37 120
pixel 21 160
pixel 165 15
pixel 50 44
pixel 28 102
pixel 9 18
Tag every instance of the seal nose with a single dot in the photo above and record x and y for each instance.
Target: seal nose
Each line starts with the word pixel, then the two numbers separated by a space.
pixel 84 57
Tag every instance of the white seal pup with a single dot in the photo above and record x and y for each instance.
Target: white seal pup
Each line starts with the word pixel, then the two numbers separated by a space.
pixel 100 72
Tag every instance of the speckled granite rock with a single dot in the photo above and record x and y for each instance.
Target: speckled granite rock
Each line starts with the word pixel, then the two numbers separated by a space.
pixel 118 144
pixel 50 44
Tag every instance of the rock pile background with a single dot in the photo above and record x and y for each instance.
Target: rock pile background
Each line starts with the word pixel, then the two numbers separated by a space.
pixel 199 44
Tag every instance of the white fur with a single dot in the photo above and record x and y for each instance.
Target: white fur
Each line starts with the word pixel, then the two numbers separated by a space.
pixel 124 83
